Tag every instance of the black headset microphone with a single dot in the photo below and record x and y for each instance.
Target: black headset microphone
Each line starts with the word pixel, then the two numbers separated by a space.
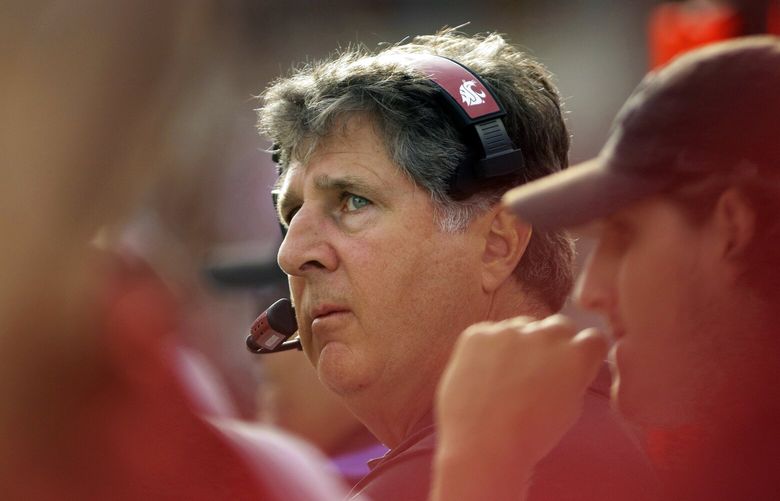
pixel 271 331
pixel 478 115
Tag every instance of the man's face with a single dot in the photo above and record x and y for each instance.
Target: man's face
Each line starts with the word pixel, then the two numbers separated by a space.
pixel 380 291
pixel 654 275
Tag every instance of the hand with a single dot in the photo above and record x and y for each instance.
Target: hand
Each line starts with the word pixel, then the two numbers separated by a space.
pixel 510 392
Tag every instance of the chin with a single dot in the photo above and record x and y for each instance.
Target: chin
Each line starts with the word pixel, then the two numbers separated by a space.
pixel 649 410
pixel 629 400
pixel 341 371
pixel 623 405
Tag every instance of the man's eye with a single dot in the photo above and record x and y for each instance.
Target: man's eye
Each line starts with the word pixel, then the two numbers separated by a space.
pixel 354 202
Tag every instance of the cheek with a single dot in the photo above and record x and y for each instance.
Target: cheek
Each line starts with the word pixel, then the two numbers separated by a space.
pixel 441 289
pixel 389 280
pixel 416 286
pixel 654 288
pixel 646 301
pixel 654 359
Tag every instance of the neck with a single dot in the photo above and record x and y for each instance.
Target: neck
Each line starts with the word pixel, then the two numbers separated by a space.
pixel 405 393
pixel 731 459
pixel 392 411
pixel 397 415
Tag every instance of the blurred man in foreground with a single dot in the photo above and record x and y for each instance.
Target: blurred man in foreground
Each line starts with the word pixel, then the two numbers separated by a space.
pixel 92 405
pixel 685 201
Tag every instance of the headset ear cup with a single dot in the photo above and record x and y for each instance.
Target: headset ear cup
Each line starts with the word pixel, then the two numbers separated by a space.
pixel 461 183
pixel 477 114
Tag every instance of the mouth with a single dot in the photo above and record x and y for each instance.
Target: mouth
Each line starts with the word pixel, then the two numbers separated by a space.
pixel 327 323
pixel 327 310
pixel 616 329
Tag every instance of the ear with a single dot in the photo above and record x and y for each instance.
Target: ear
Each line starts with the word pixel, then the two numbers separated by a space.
pixel 735 221
pixel 506 239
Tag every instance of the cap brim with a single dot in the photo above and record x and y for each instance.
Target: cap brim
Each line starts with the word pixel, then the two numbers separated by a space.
pixel 245 274
pixel 246 264
pixel 577 195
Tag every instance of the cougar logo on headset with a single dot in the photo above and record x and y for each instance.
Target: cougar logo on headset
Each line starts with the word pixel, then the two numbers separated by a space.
pixel 469 95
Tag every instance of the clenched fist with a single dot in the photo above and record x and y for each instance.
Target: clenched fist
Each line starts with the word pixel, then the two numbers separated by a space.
pixel 510 392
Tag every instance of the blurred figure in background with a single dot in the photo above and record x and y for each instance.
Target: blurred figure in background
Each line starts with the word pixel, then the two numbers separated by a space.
pixel 93 406
pixel 677 27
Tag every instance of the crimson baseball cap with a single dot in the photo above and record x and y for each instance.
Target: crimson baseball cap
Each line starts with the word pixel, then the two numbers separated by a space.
pixel 707 112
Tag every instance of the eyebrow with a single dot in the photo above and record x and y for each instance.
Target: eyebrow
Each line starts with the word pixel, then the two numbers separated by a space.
pixel 343 183
pixel 323 183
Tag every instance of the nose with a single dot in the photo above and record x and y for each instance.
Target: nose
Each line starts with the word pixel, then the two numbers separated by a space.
pixel 306 246
pixel 595 289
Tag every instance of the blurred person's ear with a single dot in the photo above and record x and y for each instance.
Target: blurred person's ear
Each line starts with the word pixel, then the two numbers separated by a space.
pixel 735 221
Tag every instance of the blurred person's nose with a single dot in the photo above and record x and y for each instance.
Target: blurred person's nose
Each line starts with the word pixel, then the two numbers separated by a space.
pixel 595 288
pixel 306 247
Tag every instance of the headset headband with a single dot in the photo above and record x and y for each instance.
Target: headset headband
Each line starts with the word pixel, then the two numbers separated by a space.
pixel 477 113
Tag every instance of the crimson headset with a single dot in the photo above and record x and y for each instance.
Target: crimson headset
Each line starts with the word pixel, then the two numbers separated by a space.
pixel 478 115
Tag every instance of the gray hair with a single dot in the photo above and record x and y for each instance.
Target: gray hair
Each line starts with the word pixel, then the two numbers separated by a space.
pixel 303 109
